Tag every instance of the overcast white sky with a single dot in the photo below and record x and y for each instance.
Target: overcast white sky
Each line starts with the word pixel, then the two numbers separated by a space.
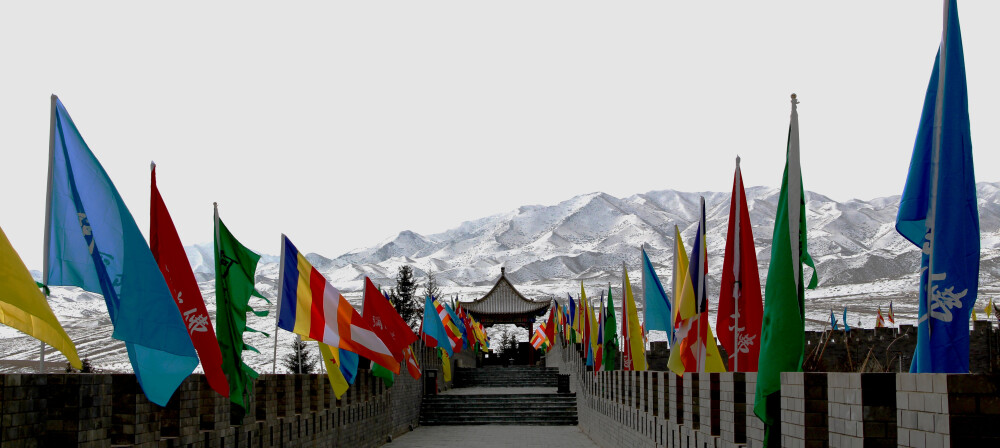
pixel 343 123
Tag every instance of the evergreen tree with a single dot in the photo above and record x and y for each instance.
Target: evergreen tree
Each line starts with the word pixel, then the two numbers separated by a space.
pixel 508 345
pixel 430 286
pixel 410 308
pixel 86 367
pixel 299 357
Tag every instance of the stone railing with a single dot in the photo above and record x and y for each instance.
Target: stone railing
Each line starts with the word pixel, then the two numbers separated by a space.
pixel 660 409
pixel 102 410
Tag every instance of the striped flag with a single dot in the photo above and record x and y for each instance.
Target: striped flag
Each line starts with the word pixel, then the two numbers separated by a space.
pixel 308 305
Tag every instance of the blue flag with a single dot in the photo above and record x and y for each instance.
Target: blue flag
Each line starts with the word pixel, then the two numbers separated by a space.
pixel 459 324
pixel 659 311
pixel 92 241
pixel 433 329
pixel 833 320
pixel 938 212
pixel 348 365
pixel 847 327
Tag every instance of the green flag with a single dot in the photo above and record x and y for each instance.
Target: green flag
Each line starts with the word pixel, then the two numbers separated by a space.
pixel 388 378
pixel 234 284
pixel 610 335
pixel 783 330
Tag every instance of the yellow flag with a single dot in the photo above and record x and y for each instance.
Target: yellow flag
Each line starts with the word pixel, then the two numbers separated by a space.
pixel 689 352
pixel 635 340
pixel 445 365
pixel 331 359
pixel 989 309
pixel 593 321
pixel 23 306
pixel 683 289
pixel 974 317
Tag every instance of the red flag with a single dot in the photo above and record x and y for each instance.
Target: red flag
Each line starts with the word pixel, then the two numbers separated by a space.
pixel 411 363
pixel 585 326
pixel 740 306
pixel 385 321
pixel 169 253
pixel 550 328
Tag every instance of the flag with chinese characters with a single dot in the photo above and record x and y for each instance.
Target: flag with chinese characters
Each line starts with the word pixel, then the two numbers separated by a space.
pixel 235 268
pixel 385 321
pixel 938 212
pixel 783 326
pixel 740 304
pixel 93 242
pixel 170 256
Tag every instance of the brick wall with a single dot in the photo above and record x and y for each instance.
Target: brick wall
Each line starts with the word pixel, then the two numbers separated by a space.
pixel 99 410
pixel 817 409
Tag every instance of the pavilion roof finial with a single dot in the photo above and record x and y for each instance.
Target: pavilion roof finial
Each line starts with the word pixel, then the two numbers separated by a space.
pixel 503 271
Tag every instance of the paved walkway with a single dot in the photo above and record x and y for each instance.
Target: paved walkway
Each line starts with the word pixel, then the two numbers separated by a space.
pixel 499 390
pixel 494 435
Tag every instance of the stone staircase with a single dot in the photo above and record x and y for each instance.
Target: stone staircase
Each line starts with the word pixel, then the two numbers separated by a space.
pixel 516 376
pixel 523 405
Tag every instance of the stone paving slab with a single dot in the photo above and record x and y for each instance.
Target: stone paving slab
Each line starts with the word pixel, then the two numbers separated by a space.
pixel 494 435
pixel 499 390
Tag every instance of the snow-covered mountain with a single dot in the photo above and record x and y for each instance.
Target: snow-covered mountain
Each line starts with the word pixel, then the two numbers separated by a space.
pixel 861 260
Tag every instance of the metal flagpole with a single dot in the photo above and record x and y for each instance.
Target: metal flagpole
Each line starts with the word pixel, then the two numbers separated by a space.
pixel 700 296
pixel 48 214
pixel 676 278
pixel 737 280
pixel 642 269
pixel 277 314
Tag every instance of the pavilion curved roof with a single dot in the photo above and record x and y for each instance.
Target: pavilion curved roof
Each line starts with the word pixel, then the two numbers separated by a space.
pixel 504 299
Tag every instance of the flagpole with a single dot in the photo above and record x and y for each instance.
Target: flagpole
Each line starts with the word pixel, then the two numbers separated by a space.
pixel 935 169
pixel 737 254
pixel 642 269
pixel 626 336
pixel 48 214
pixel 700 296
pixel 281 283
pixel 674 278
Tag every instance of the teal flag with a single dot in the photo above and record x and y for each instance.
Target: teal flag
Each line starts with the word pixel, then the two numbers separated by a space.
pixel 939 212
pixel 92 242
pixel 659 311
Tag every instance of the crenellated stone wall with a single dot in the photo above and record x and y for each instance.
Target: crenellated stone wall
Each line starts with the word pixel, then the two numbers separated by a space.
pixel 101 410
pixel 818 409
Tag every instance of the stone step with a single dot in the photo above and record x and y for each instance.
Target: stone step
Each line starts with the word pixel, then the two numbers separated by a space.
pixel 497 418
pixel 568 422
pixel 503 407
pixel 569 398
pixel 489 415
